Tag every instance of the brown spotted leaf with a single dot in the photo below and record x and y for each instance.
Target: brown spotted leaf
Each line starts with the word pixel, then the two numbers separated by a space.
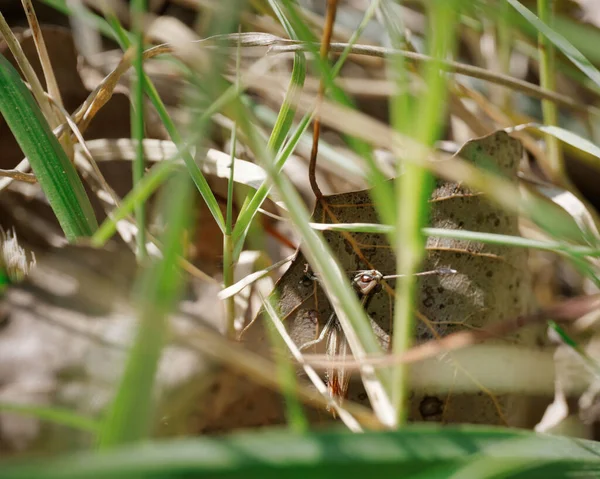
pixel 492 282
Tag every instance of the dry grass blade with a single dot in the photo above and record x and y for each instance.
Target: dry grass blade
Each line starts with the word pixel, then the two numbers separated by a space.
pixel 40 44
pixel 262 371
pixel 251 278
pixel 332 404
pixel 281 45
pixel 376 133
pixel 455 67
pixel 17 175
pixel 28 72
pixel 566 311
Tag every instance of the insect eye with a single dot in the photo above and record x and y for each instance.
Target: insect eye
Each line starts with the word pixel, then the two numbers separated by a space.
pixel 365 278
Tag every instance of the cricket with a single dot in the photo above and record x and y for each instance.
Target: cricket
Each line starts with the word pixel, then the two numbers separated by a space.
pixel 366 283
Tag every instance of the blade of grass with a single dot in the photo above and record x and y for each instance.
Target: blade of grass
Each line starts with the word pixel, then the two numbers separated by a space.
pixel 49 162
pixel 281 129
pixel 228 249
pixel 286 113
pixel 140 193
pixel 548 81
pixel 284 119
pixel 228 245
pixel 286 372
pixel 481 237
pixel 560 42
pixel 60 416
pixel 48 71
pixel 249 212
pixel 419 451
pixel 138 7
pixel 568 137
pixel 353 318
pixel 381 190
pixel 194 170
pixel 159 287
pixel 414 189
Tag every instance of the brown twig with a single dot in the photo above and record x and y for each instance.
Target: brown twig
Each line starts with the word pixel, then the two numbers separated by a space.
pixel 324 52
pixel 18 175
pixel 566 311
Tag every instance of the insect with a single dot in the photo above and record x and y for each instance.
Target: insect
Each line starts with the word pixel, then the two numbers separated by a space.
pixel 366 283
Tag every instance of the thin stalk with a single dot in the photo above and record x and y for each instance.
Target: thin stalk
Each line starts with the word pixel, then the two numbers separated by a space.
pixel 381 189
pixel 28 73
pixel 228 257
pixel 193 169
pixel 228 245
pixel 51 82
pixel 413 194
pixel 411 180
pixel 285 116
pixel 131 414
pixel 548 82
pixel 286 374
pixel 138 7
pixel 140 193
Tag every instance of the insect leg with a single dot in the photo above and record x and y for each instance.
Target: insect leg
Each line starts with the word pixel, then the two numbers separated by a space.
pixel 323 334
pixel 338 378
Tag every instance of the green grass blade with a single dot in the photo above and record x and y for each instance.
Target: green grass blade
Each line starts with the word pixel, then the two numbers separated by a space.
pixel 286 373
pixel 138 7
pixel 55 173
pixel 130 416
pixel 193 169
pixel 251 208
pixel 140 193
pixel 481 237
pixel 382 191
pixel 568 137
pixel 560 42
pixel 415 452
pixel 547 59
pixel 62 417
pixel 285 116
pixel 281 128
pixel 343 298
pixel 414 188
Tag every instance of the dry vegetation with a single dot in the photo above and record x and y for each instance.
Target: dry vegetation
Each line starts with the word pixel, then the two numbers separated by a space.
pixel 161 292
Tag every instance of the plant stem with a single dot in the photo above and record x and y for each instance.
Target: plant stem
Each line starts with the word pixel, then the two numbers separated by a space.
pixel 548 82
pixel 138 8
